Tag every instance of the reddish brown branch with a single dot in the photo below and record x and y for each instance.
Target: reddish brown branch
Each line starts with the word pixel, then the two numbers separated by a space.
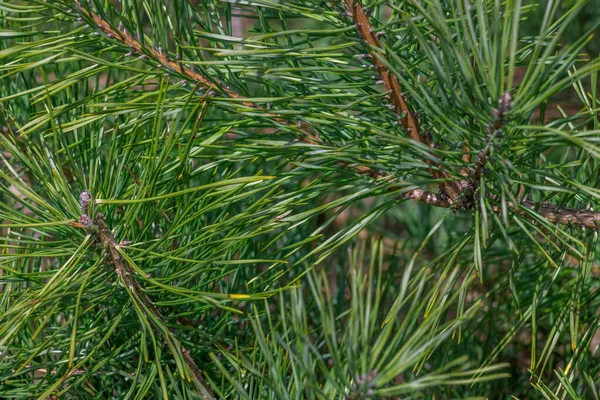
pixel 391 83
pixel 556 215
pixel 453 189
pixel 179 68
pixel 163 59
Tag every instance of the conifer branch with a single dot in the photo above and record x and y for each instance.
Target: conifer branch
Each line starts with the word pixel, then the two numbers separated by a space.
pixel 136 47
pixel 494 130
pixel 392 85
pixel 166 63
pixel 453 192
pixel 125 273
pixel 177 67
pixel 457 194
pixel 558 215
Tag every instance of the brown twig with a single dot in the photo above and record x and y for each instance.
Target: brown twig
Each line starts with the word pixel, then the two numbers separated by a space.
pixel 558 215
pixel 426 197
pixel 163 59
pixel 392 85
pixel 125 273
pixel 451 190
pixel 177 67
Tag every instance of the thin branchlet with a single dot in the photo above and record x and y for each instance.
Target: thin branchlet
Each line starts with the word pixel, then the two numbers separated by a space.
pixel 451 190
pixel 396 97
pixel 123 270
pixel 470 184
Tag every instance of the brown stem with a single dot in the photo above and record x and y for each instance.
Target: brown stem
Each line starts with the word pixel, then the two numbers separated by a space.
pixel 125 272
pixel 556 215
pixel 427 198
pixel 453 189
pixel 472 181
pixel 391 83
pixel 179 68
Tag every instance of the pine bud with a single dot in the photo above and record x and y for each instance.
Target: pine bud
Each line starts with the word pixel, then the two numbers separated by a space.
pixel 84 200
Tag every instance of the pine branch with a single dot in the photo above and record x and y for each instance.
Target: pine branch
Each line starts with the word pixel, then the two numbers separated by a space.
pixel 461 194
pixel 172 66
pixel 389 80
pixel 125 273
pixel 456 194
pixel 558 215
pixel 166 63
pixel 504 105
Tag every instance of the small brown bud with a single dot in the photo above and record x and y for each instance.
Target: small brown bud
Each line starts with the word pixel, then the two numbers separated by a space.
pixel 505 104
pixel 85 220
pixel 84 200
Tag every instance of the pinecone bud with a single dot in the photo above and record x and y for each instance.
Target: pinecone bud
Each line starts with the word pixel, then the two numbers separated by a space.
pixel 84 201
pixel 85 220
pixel 505 103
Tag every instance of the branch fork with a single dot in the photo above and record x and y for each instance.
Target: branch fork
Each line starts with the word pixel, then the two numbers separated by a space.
pixel 459 194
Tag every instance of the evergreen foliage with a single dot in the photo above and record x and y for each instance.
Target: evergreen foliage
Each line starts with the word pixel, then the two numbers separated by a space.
pixel 305 199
